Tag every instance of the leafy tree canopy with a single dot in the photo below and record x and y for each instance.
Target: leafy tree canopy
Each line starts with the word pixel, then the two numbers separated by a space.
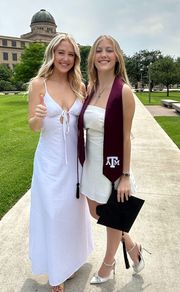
pixel 137 65
pixel 31 61
pixel 5 73
pixel 165 71
pixel 84 51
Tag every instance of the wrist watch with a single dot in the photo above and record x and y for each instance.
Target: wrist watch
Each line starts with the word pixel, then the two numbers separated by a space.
pixel 125 174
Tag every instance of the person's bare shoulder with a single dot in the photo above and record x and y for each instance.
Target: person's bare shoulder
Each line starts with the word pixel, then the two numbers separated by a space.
pixel 127 92
pixel 128 97
pixel 127 89
pixel 37 84
pixel 36 91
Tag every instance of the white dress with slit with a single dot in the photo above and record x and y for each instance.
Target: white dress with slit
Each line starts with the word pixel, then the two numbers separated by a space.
pixel 60 227
pixel 94 184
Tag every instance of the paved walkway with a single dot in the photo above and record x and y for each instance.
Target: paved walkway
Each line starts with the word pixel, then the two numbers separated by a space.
pixel 156 166
pixel 159 110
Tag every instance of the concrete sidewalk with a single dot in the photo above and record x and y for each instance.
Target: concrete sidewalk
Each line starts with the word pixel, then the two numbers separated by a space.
pixel 156 166
pixel 159 110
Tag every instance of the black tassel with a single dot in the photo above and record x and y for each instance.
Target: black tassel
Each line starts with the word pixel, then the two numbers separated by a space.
pixel 77 190
pixel 125 254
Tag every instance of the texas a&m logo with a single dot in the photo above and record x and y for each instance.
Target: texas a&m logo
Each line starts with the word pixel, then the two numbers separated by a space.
pixel 112 161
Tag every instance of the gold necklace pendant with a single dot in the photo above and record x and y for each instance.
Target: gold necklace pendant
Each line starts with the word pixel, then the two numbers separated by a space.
pixel 100 93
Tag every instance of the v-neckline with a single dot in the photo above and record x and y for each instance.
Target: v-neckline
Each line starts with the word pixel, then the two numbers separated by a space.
pixel 60 107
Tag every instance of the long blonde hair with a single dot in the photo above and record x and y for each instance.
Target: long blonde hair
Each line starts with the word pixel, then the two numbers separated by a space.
pixel 46 69
pixel 119 69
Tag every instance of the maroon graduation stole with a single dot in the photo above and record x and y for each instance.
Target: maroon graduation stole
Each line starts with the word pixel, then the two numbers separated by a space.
pixel 113 133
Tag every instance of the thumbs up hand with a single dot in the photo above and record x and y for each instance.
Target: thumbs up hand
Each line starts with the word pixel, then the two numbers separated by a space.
pixel 41 109
pixel 41 97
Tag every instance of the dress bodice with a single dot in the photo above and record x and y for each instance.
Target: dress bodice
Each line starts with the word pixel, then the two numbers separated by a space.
pixel 94 122
pixel 59 127
pixel 57 116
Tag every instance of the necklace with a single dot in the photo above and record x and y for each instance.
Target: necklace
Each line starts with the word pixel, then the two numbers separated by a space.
pixel 100 93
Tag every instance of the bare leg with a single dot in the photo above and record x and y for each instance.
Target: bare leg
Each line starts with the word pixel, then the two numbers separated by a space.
pixel 128 241
pixel 132 248
pixel 114 237
pixel 92 208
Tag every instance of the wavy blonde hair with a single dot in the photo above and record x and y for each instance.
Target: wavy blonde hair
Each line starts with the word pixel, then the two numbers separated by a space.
pixel 46 69
pixel 119 69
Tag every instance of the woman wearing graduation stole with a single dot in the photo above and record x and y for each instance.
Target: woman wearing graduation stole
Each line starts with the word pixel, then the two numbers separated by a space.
pixel 107 116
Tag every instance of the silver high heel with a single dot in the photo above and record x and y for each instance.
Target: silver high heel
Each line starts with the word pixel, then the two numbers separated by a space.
pixel 96 279
pixel 138 267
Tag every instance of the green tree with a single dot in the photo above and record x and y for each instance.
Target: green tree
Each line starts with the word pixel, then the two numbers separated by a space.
pixel 178 70
pixel 165 71
pixel 137 65
pixel 31 60
pixel 132 69
pixel 84 51
pixel 6 85
pixel 5 78
pixel 5 72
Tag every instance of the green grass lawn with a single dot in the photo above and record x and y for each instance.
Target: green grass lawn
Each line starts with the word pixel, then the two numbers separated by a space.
pixel 17 146
pixel 157 96
pixel 171 125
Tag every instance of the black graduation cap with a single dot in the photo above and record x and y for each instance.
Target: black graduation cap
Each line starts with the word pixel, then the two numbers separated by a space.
pixel 119 215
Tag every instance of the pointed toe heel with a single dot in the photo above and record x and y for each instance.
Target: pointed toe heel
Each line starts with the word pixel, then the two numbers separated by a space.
pixel 96 279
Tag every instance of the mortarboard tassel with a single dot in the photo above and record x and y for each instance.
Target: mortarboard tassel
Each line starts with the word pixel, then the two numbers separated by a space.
pixel 125 253
pixel 77 190
pixel 77 184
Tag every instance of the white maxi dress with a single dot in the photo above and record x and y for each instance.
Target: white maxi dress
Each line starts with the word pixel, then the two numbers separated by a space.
pixel 60 226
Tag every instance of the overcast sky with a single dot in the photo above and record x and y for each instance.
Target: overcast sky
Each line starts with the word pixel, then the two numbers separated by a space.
pixel 136 24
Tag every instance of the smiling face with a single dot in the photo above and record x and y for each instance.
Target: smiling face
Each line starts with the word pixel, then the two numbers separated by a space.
pixel 105 57
pixel 64 57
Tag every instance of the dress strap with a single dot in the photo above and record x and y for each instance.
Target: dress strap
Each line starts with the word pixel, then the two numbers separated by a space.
pixel 45 85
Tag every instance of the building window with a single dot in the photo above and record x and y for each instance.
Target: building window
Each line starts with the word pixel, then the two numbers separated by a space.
pixel 5 56
pixel 50 30
pixel 13 43
pixel 14 56
pixel 4 43
pixel 22 44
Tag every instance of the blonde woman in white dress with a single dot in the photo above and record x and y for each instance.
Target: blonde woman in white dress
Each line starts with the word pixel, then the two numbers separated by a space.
pixel 60 231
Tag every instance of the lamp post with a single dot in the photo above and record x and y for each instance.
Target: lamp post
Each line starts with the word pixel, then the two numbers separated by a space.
pixel 141 70
pixel 149 78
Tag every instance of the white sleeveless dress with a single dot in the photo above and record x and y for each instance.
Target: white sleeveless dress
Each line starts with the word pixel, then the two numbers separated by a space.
pixel 60 227
pixel 94 184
